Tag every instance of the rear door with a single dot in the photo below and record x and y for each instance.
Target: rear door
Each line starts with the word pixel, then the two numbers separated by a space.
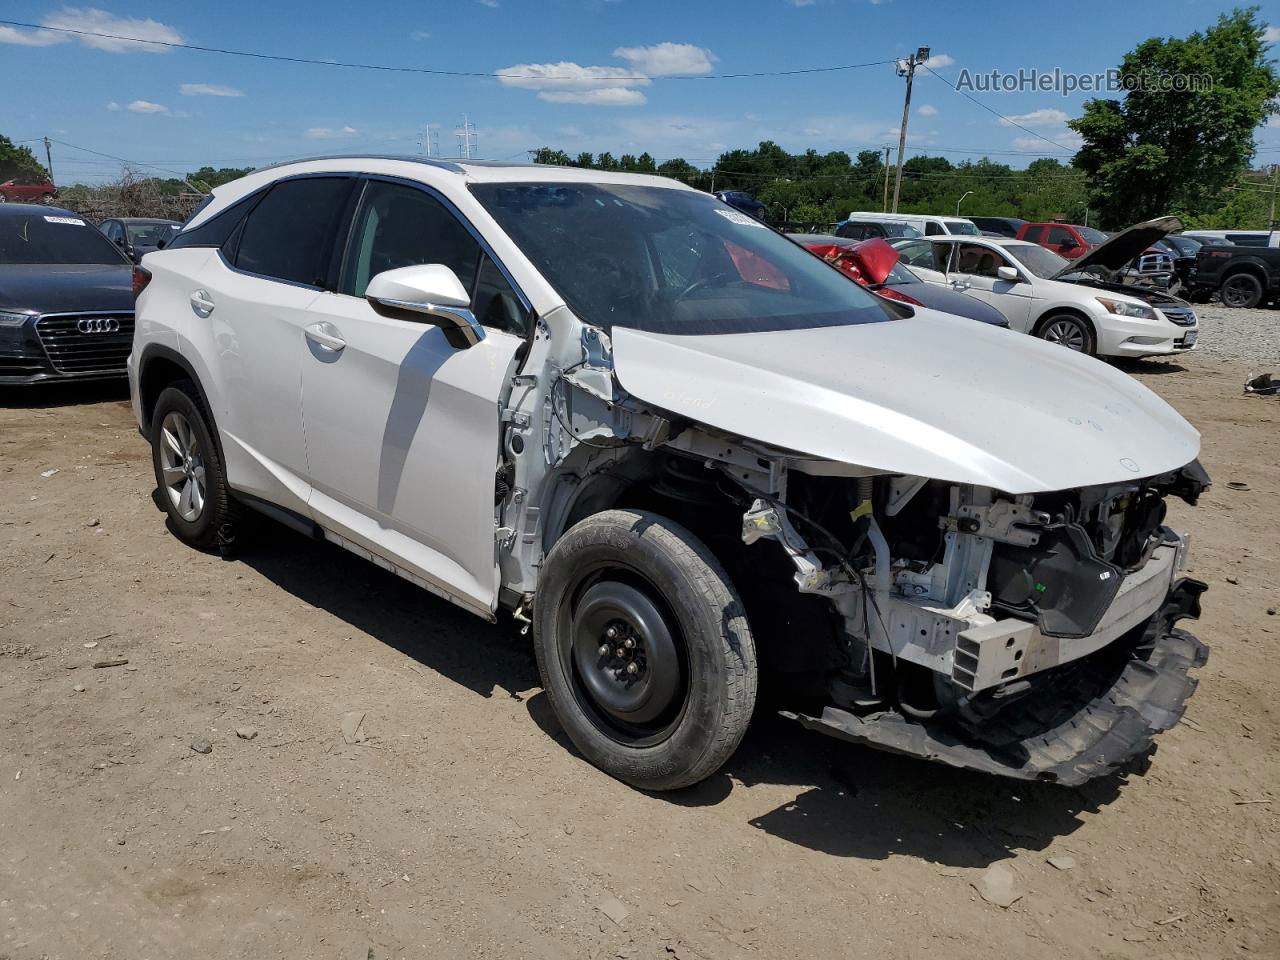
pixel 254 294
pixel 402 429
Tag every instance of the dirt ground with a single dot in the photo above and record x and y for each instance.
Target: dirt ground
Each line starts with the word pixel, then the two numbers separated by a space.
pixel 465 826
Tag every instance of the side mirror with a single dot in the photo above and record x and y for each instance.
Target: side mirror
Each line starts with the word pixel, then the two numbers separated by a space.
pixel 119 242
pixel 1069 244
pixel 1008 273
pixel 427 293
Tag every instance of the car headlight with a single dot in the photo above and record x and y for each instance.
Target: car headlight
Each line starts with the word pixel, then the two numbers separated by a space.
pixel 1122 308
pixel 10 318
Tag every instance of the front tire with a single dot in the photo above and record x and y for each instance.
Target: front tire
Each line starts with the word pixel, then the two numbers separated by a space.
pixel 1068 330
pixel 644 649
pixel 189 470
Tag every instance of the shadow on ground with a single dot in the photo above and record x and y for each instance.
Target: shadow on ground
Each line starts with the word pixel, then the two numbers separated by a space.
pixel 851 801
pixel 61 393
pixel 1148 365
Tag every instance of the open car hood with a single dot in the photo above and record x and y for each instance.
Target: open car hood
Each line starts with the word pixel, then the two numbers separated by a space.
pixel 933 395
pixel 1125 246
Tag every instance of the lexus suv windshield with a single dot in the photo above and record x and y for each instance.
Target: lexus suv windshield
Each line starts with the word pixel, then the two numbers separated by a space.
pixel 53 238
pixel 671 261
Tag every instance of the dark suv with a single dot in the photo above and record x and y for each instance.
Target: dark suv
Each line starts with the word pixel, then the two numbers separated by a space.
pixel 66 298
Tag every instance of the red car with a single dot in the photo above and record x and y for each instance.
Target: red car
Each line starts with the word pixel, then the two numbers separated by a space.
pixel 27 189
pixel 1065 239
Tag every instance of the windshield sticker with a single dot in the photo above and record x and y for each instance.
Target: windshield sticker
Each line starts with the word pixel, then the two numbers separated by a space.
pixel 74 221
pixel 742 218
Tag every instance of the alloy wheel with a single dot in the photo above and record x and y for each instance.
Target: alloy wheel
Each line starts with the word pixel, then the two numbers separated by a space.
pixel 1236 292
pixel 1066 333
pixel 182 466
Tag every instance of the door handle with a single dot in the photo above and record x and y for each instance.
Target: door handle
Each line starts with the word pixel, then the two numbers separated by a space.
pixel 202 303
pixel 326 335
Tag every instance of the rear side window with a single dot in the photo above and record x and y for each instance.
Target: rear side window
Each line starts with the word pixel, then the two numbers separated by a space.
pixel 1033 234
pixel 289 234
pixel 214 231
pixel 932 229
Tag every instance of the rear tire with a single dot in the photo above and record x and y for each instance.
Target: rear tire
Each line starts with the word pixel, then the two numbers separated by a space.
pixel 189 470
pixel 644 649
pixel 1068 330
pixel 1242 291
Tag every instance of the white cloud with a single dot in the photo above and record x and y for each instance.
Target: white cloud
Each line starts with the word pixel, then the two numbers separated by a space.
pixel 330 133
pixel 489 3
pixel 93 20
pixel 598 86
pixel 927 110
pixel 146 106
pixel 209 90
pixel 1046 117
pixel 567 76
pixel 603 97
pixel 1271 34
pixel 420 35
pixel 802 3
pixel 113 106
pixel 668 59
pixel 1066 138
pixel 940 61
pixel 31 38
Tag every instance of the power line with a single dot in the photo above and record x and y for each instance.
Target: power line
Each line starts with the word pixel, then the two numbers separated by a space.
pixel 111 156
pixel 428 70
pixel 991 110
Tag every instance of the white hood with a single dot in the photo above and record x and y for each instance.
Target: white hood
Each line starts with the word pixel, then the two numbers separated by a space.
pixel 934 396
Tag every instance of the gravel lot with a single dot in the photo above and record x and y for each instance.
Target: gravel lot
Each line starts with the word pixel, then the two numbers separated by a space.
pixel 457 822
pixel 1250 336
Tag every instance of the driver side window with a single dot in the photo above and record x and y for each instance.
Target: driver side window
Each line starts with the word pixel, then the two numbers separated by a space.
pixel 401 226
pixel 977 260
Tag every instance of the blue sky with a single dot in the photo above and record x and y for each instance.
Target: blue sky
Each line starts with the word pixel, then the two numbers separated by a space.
pixel 180 108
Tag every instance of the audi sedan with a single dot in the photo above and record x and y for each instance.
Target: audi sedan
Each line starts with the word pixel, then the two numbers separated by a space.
pixel 66 298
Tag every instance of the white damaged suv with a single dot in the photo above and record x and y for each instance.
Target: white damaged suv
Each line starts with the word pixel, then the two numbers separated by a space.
pixel 695 457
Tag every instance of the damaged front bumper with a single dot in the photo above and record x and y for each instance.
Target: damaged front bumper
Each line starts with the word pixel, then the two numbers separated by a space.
pixel 1082 720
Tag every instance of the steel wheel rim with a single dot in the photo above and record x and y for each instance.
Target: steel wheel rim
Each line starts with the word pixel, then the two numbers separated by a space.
pixel 633 692
pixel 1065 333
pixel 182 466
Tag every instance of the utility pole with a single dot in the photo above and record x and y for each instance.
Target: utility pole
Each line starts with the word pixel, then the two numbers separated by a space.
pixel 48 156
pixel 906 68
pixel 713 180
pixel 884 203
pixel 1271 218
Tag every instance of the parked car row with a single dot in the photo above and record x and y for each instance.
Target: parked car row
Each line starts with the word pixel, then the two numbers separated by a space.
pixel 681 447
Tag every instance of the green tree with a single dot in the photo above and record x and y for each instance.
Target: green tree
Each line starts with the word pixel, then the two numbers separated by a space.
pixel 555 158
pixel 18 160
pixel 1162 149
pixel 587 160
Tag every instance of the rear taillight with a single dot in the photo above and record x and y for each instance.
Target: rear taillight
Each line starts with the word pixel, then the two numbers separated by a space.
pixel 141 277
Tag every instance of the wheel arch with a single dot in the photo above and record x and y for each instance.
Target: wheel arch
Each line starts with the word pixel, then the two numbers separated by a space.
pixel 160 367
pixel 1254 268
pixel 1060 310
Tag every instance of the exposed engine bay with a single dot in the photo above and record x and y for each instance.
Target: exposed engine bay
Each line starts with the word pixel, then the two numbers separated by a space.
pixel 1030 635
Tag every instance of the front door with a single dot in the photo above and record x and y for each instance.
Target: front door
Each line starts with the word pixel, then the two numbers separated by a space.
pixel 974 271
pixel 402 429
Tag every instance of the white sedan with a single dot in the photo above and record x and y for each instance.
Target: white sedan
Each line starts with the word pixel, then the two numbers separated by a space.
pixel 1058 300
